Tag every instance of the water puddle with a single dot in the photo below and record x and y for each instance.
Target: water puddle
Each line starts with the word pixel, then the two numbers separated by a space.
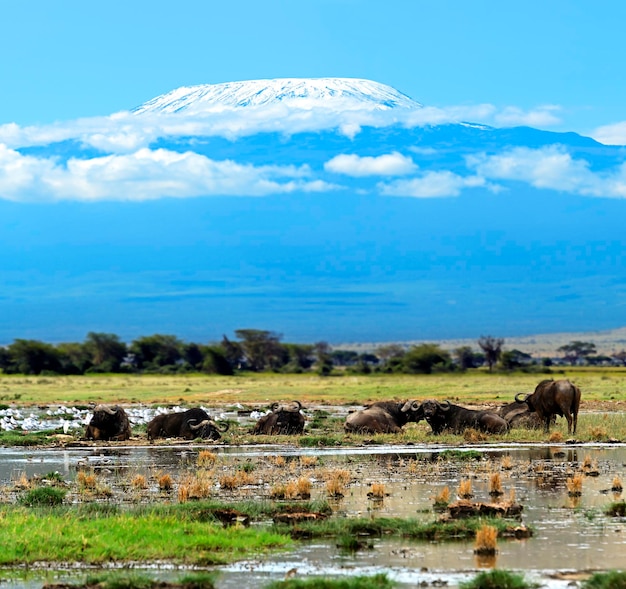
pixel 571 533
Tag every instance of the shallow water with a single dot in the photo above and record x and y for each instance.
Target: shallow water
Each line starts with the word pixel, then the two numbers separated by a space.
pixel 571 534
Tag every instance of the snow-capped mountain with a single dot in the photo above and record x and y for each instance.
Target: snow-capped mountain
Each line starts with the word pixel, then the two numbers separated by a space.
pixel 303 93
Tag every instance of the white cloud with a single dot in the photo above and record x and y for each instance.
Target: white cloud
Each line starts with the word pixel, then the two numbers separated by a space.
pixel 614 134
pixel 144 175
pixel 551 168
pixel 392 164
pixel 431 185
pixel 542 116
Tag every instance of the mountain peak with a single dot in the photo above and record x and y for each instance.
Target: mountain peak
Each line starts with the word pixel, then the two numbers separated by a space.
pixel 304 93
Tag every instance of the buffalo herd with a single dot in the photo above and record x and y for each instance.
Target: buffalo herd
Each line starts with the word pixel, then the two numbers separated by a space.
pixel 534 410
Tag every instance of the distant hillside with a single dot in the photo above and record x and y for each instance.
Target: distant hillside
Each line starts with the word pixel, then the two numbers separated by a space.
pixel 540 345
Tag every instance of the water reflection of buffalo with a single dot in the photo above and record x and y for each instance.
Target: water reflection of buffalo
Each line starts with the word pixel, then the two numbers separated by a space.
pixel 191 424
pixel 446 416
pixel 383 417
pixel 281 420
pixel 550 398
pixel 108 423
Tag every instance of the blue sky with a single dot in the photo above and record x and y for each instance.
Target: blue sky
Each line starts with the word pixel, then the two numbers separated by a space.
pixel 556 64
pixel 332 224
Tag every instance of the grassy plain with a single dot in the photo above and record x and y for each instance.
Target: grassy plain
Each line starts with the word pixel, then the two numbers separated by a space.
pixel 473 387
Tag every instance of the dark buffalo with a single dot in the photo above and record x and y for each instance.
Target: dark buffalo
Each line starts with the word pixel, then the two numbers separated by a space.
pixel 108 423
pixel 282 420
pixel 446 416
pixel 383 417
pixel 519 415
pixel 191 424
pixel 554 397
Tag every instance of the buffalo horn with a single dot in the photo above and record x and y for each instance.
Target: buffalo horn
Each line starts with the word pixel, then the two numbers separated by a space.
pixel 446 407
pixel 201 424
pixel 415 406
pixel 517 398
pixel 107 409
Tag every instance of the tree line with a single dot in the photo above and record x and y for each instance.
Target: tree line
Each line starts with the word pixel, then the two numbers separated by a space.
pixel 260 350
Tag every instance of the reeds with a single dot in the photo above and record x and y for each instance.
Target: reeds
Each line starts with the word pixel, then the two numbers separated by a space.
pixel 165 482
pixel 139 482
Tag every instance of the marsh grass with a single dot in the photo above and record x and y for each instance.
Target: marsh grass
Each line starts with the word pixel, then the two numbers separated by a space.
pixel 498 579
pixel 495 484
pixel 379 581
pixel 574 485
pixel 43 496
pixel 486 540
pixel 607 580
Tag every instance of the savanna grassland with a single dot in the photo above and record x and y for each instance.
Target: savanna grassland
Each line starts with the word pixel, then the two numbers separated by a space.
pixel 605 385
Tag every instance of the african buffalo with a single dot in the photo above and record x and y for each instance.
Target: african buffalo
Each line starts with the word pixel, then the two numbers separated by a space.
pixel 446 416
pixel 383 417
pixel 108 423
pixel 281 420
pixel 551 398
pixel 191 424
pixel 519 415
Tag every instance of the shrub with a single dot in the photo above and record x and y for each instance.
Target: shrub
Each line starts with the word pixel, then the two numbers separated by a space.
pixel 43 497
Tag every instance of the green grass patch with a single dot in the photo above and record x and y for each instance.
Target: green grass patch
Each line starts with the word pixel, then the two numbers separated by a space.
pixel 18 438
pixel 608 580
pixel 361 582
pixel 498 579
pixel 29 535
pixel 616 509
pixel 460 455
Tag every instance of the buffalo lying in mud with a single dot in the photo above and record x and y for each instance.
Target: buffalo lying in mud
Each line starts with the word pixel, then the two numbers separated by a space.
pixel 383 417
pixel 282 420
pixel 554 397
pixel 446 416
pixel 108 423
pixel 191 424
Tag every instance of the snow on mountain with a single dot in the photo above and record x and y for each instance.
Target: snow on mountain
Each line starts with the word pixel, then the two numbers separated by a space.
pixel 304 93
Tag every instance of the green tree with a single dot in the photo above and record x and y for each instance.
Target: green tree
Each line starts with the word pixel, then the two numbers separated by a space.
pixel 33 357
pixel 74 358
pixel 466 357
pixel 262 349
pixel 492 347
pixel 576 350
pixel 512 359
pixel 157 351
pixel 425 358
pixel 106 351
pixel 215 361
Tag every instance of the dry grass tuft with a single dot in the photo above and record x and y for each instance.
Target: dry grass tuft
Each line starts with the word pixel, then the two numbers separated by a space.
pixel 443 497
pixel 598 433
pixel 139 482
pixel 486 540
pixel 165 482
pixel 308 461
pixel 495 484
pixel 377 491
pixel 575 485
pixel 183 493
pixel 507 462
pixel 412 467
pixel 473 436
pixel 587 462
pixel 465 489
pixel 279 461
pixel 86 480
pixel 617 485
pixel 304 487
pixel 336 483
pixel 556 437
pixel 206 458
